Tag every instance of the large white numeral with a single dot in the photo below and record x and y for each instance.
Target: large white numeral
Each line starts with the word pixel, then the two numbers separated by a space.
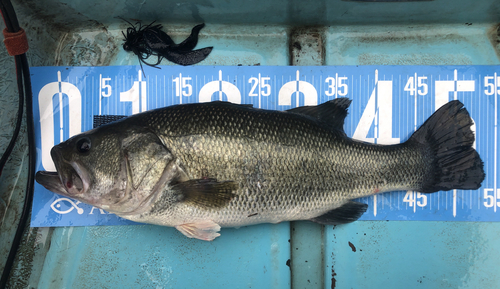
pixel 296 87
pixel 46 107
pixel 230 90
pixel 137 95
pixel 444 87
pixel 379 112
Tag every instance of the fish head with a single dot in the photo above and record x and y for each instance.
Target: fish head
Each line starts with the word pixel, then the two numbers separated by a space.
pixel 115 169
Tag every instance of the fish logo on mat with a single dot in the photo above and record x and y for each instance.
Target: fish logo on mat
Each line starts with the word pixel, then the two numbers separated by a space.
pixel 56 205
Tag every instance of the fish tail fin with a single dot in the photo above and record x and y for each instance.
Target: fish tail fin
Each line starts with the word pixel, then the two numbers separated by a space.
pixel 447 138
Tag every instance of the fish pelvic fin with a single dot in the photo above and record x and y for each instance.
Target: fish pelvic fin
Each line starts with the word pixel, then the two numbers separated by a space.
pixel 205 230
pixel 447 137
pixel 332 113
pixel 347 213
pixel 206 193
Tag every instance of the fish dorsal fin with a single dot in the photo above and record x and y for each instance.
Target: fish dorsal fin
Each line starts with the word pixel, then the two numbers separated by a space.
pixel 347 213
pixel 332 112
pixel 218 102
pixel 206 193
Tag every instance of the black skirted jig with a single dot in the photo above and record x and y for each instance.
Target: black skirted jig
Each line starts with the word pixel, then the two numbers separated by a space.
pixel 134 42
pixel 151 40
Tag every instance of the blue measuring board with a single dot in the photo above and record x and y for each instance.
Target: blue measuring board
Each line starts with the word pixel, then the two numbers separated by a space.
pixel 388 104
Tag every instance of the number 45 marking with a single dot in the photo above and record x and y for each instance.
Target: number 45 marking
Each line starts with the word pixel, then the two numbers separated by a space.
pixel 415 199
pixel 416 85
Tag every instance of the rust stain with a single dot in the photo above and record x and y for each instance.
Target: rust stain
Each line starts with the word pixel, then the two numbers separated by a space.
pixel 494 37
pixel 306 46
pixel 334 281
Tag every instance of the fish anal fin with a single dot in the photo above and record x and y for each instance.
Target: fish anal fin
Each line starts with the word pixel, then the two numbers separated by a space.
pixel 205 230
pixel 347 213
pixel 332 113
pixel 206 193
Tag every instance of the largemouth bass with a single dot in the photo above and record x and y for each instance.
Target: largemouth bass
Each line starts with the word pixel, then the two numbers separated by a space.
pixel 200 167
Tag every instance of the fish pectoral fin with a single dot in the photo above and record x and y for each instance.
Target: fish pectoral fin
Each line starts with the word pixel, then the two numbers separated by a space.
pixel 206 193
pixel 348 212
pixel 205 230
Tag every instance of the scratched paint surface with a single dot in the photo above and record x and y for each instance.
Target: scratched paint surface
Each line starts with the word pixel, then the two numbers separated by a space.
pixel 389 103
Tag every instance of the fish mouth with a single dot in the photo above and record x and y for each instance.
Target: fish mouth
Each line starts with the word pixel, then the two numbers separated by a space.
pixel 51 181
pixel 69 180
pixel 69 184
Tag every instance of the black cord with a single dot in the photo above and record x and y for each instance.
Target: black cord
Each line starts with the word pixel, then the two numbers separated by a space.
pixel 20 226
pixel 31 173
pixel 23 77
pixel 20 110
pixel 9 16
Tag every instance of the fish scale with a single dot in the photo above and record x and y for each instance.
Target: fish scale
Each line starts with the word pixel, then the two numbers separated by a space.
pixel 289 155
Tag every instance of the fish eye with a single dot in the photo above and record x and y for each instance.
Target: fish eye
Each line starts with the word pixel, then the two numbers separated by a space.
pixel 83 145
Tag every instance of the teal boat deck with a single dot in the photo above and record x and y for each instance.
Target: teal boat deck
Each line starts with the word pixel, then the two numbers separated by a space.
pixel 364 254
